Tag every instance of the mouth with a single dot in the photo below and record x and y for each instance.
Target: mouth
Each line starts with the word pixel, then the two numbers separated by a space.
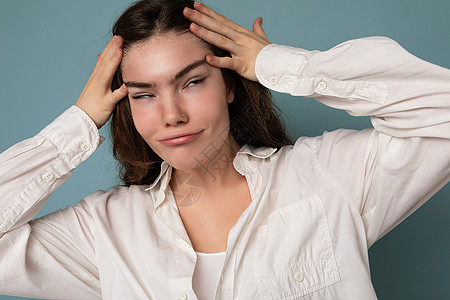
pixel 180 138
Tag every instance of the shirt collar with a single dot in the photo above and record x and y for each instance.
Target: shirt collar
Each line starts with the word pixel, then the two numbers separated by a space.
pixel 164 168
pixel 261 152
pixel 162 181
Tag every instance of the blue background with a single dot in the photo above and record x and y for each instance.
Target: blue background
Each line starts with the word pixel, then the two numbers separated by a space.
pixel 48 49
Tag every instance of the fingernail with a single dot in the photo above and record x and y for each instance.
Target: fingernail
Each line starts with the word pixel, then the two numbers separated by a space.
pixel 195 26
pixel 187 11
pixel 197 3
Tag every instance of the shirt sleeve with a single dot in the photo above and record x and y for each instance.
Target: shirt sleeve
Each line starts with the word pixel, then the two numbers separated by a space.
pixel 389 171
pixel 51 257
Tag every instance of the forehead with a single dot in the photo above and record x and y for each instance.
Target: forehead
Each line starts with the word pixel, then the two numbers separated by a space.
pixel 162 56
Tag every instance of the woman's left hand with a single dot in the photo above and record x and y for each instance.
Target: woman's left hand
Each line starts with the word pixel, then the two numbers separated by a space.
pixel 243 44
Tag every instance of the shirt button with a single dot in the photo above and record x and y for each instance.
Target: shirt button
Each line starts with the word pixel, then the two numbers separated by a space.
pixel 298 276
pixel 85 146
pixel 323 85
pixel 273 80
pixel 48 176
pixel 182 295
pixel 184 245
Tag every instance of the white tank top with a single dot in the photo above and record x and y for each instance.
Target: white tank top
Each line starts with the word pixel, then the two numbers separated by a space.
pixel 207 274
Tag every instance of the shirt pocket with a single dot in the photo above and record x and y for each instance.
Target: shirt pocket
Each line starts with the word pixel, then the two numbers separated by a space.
pixel 294 255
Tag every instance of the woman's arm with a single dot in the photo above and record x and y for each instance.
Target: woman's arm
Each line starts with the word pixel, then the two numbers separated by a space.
pixel 389 172
pixel 404 95
pixel 54 257
pixel 32 169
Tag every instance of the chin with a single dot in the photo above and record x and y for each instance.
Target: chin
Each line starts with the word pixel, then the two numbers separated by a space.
pixel 184 164
pixel 181 159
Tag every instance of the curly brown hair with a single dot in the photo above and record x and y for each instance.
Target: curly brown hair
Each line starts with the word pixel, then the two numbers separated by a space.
pixel 254 119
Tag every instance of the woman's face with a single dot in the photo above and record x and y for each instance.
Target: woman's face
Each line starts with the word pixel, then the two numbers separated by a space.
pixel 179 103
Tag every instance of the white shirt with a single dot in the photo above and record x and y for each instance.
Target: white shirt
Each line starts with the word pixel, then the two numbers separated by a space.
pixel 316 206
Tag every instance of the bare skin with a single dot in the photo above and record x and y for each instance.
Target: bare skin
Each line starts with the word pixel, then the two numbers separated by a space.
pixel 209 218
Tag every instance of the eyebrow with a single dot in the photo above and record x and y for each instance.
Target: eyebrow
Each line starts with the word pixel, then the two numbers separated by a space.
pixel 177 76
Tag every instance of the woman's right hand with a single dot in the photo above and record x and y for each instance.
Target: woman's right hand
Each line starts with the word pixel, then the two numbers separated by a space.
pixel 97 99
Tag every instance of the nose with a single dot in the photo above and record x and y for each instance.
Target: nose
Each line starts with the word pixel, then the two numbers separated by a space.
pixel 174 114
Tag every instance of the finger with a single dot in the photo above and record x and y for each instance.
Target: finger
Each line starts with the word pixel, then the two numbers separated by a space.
pixel 109 61
pixel 103 73
pixel 115 43
pixel 111 52
pixel 119 94
pixel 210 23
pixel 111 67
pixel 228 63
pixel 213 38
pixel 216 16
pixel 257 28
pixel 220 62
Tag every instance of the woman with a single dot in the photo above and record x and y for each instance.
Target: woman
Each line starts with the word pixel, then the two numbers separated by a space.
pixel 206 208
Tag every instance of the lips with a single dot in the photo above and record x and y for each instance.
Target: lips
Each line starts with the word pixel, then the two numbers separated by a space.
pixel 180 138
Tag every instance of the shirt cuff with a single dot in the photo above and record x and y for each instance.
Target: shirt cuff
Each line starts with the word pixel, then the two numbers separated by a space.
pixel 277 67
pixel 74 134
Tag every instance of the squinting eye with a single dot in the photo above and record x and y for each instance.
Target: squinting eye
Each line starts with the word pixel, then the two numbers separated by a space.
pixel 194 82
pixel 140 97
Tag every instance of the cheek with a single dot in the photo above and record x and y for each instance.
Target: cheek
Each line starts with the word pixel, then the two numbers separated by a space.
pixel 143 118
pixel 213 105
